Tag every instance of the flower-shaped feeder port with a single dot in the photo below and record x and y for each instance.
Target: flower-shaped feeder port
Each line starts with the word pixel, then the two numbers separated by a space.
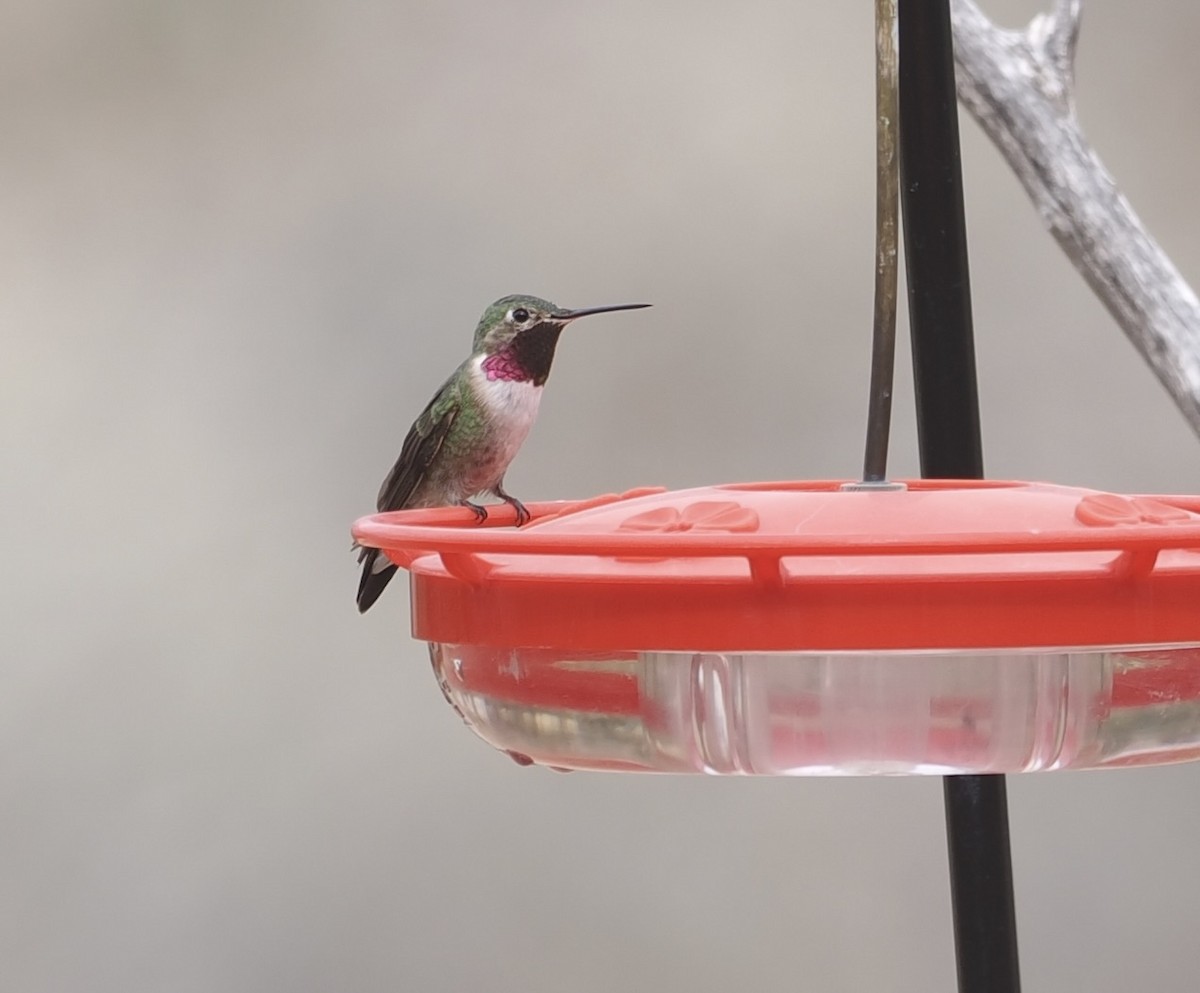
pixel 814 628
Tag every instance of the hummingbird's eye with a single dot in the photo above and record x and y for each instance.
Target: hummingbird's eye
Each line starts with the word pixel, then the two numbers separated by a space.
pixel 519 316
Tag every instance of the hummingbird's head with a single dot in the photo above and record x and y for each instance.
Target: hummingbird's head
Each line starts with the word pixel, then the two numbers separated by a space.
pixel 524 331
pixel 513 316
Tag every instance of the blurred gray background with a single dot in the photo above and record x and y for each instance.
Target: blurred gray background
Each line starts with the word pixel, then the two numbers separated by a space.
pixel 242 244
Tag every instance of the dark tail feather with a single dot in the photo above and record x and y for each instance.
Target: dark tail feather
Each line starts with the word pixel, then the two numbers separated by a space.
pixel 372 583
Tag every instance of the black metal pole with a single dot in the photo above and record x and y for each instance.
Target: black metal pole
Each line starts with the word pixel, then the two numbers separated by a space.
pixel 981 884
pixel 935 246
pixel 939 301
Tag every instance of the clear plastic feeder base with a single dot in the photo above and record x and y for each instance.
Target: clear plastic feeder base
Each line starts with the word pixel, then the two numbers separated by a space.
pixel 845 713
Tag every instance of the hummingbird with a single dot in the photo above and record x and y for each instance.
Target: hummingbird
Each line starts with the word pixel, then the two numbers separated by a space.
pixel 465 439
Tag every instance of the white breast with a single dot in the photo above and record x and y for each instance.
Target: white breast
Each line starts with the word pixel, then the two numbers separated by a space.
pixel 511 407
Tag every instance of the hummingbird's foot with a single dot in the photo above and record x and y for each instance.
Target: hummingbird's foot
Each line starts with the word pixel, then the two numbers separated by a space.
pixel 523 514
pixel 480 513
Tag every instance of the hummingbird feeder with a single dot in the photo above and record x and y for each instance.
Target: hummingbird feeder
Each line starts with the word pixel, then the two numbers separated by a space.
pixel 818 627
pixel 949 625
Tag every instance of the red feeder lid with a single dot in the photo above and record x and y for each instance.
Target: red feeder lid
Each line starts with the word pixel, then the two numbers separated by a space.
pixel 808 566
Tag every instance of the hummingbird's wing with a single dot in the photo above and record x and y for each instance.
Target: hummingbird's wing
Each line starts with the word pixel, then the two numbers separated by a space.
pixel 424 440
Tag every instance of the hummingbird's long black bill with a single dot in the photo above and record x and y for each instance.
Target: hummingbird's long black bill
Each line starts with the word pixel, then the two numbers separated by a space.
pixel 570 315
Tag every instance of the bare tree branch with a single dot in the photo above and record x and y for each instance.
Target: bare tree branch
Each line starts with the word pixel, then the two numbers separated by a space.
pixel 1019 87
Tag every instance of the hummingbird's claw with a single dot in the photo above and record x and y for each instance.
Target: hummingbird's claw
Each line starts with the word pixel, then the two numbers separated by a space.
pixel 480 513
pixel 523 514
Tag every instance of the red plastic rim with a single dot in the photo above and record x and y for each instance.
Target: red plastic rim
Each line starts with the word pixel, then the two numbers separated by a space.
pixel 808 566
